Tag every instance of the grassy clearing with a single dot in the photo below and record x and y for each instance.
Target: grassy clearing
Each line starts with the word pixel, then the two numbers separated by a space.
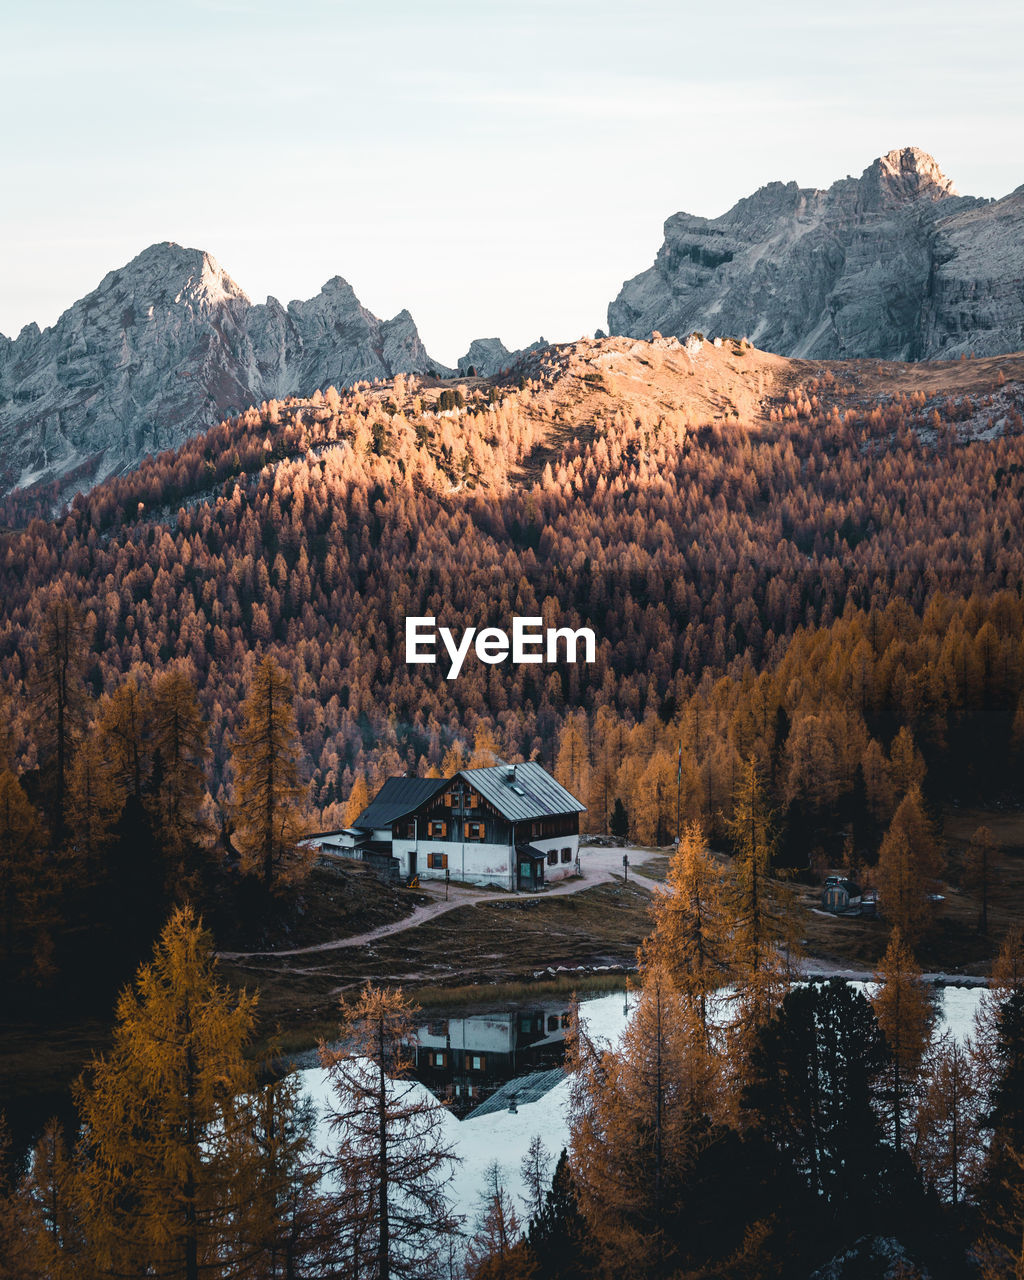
pixel 338 902
pixel 512 993
pixel 473 954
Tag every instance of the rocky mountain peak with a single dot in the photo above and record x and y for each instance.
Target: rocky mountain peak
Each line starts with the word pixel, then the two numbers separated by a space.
pixel 909 173
pixel 339 287
pixel 892 265
pixel 172 272
pixel 164 347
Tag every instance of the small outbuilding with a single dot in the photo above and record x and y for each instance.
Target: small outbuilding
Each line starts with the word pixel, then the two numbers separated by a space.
pixel 841 896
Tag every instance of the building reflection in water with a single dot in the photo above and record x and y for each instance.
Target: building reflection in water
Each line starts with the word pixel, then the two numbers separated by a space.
pixel 492 1061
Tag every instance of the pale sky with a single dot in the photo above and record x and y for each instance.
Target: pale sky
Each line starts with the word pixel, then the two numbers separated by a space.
pixel 497 168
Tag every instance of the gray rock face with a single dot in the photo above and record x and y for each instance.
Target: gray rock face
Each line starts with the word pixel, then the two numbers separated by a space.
pixel 892 265
pixel 164 348
pixel 490 356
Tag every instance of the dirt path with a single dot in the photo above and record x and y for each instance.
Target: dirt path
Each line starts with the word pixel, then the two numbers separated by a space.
pixel 598 866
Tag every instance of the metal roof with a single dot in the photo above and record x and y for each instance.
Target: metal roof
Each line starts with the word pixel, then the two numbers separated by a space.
pixel 521 792
pixel 396 798
pixel 518 1092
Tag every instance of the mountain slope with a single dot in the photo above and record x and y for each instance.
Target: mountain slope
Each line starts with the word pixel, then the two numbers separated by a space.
pixel 166 345
pixel 893 265
pixel 696 505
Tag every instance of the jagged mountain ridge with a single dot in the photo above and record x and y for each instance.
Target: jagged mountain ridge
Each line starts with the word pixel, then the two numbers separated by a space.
pixel 892 265
pixel 165 346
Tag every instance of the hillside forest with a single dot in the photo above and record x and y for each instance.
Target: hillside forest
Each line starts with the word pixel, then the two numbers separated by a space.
pixel 786 566
pixel 806 584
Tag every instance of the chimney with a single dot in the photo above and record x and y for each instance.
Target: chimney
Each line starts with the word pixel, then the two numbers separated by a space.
pixel 510 773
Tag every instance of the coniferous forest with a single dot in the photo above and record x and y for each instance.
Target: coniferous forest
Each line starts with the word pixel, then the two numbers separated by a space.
pixel 807 588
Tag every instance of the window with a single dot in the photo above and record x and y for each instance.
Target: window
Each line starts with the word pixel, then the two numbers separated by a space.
pixel 562 824
pixel 472 800
pixel 474 830
pixel 553 1022
pixel 437 829
pixel 567 855
pixel 438 1059
pixel 437 861
pixel 476 1061
pixel 552 857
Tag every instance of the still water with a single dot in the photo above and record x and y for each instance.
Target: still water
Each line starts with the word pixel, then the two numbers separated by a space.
pixel 501 1074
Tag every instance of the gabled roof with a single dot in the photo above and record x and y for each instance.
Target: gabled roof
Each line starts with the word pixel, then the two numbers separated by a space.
pixel 521 1090
pixel 396 798
pixel 522 792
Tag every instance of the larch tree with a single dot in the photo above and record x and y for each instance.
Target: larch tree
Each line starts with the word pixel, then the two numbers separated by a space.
pixel 455 759
pixel 93 804
pixel 906 1014
pixel 572 758
pixel 267 797
pixel 22 838
pixel 1000 1190
pixel 496 1249
pixel 979 866
pixel 947 1143
pixel 999 1254
pixel 535 1170
pixel 485 747
pixel 358 799
pixel 59 687
pixel 691 936
pixel 287 1228
pixel 759 904
pixel 48 1211
pixel 169 1159
pixel 23 1255
pixel 180 750
pixel 637 1115
pixel 907 869
pixel 124 730
pixel 390 1163
pixel 1006 978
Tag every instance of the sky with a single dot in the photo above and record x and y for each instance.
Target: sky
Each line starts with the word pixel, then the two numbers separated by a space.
pixel 497 168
